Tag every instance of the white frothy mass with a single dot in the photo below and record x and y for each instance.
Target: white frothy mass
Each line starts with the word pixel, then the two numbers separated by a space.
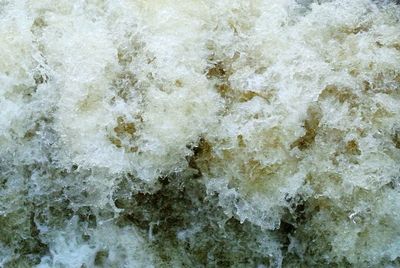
pixel 198 133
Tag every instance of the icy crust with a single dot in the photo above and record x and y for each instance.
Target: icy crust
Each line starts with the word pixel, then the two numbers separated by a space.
pixel 228 134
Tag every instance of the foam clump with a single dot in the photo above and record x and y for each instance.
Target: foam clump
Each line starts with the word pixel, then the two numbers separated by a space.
pixel 105 246
pixel 236 133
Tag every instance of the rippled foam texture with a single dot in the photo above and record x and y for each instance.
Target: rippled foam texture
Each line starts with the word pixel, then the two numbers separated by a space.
pixel 163 133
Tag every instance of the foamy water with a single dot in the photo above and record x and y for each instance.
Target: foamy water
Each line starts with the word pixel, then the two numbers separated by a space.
pixel 199 133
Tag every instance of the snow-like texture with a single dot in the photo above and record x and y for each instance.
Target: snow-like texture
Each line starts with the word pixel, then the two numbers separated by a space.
pixel 229 133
